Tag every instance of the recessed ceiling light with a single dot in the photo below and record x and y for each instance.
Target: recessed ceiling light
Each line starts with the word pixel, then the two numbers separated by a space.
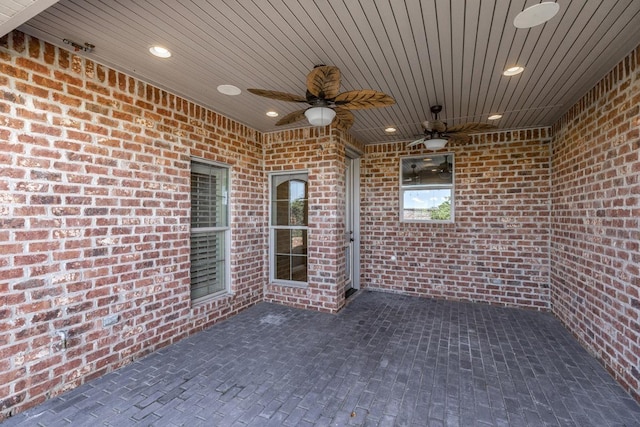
pixel 495 117
pixel 272 113
pixel 536 14
pixel 390 129
pixel 513 71
pixel 229 90
pixel 160 52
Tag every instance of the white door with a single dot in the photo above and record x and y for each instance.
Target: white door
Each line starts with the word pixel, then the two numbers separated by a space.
pixel 352 223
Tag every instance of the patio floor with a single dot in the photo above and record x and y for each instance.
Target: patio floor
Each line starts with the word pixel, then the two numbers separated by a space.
pixel 384 360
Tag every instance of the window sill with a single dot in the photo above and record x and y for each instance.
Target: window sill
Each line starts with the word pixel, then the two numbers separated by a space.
pixel 298 285
pixel 213 297
pixel 426 221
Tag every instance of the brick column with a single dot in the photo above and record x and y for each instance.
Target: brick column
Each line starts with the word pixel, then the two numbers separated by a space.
pixel 321 154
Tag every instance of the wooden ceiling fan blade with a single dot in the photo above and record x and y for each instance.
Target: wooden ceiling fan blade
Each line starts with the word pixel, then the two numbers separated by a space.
pixel 458 137
pixel 434 125
pixel 416 142
pixel 363 99
pixel 324 82
pixel 280 96
pixel 470 127
pixel 296 116
pixel 343 120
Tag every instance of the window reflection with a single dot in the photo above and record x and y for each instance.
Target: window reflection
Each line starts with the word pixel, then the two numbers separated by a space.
pixel 427 170
pixel 289 213
pixel 427 188
pixel 290 205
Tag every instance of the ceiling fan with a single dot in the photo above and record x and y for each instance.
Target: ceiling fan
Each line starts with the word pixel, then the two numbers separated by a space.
pixel 445 168
pixel 437 133
pixel 328 106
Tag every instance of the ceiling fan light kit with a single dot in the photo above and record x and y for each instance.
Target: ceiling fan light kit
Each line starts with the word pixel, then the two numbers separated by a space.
pixel 320 116
pixel 437 133
pixel 435 143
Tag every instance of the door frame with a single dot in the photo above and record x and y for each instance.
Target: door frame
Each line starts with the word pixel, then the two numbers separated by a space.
pixel 352 213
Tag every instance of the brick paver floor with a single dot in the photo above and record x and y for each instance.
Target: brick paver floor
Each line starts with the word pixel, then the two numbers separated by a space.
pixel 384 360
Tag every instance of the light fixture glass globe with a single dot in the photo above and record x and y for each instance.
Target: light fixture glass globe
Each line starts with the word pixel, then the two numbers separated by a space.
pixel 435 143
pixel 320 116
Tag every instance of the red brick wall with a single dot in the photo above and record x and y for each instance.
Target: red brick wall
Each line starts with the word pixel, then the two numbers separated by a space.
pixel 321 153
pixel 595 223
pixel 497 250
pixel 94 215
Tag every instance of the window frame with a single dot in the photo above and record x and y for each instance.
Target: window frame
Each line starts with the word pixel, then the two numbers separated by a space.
pixel 225 230
pixel 404 188
pixel 273 228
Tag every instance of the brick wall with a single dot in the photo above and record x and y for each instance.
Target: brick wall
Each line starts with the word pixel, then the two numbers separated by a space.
pixel 497 250
pixel 321 153
pixel 94 216
pixel 595 257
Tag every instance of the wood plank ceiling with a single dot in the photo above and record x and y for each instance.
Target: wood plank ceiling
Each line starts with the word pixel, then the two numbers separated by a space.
pixel 421 52
pixel 16 12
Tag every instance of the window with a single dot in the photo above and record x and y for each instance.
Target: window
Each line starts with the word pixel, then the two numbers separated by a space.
pixel 426 188
pixel 289 220
pixel 209 229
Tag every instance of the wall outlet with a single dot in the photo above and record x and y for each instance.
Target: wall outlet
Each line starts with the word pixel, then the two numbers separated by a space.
pixel 109 320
